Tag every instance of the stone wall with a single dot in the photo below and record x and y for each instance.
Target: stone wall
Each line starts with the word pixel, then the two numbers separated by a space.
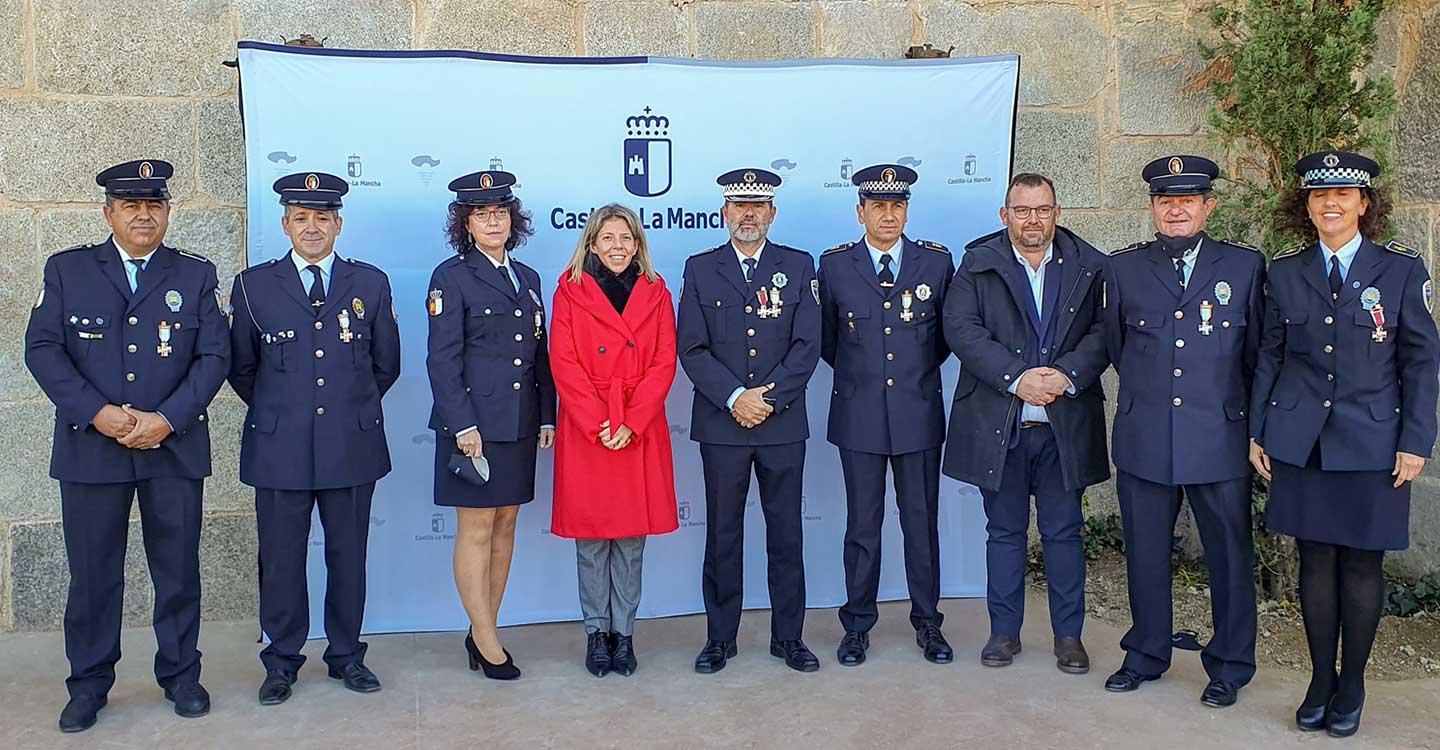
pixel 87 83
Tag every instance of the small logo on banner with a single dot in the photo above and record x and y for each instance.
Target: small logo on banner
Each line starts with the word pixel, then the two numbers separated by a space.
pixel 353 167
pixel 647 154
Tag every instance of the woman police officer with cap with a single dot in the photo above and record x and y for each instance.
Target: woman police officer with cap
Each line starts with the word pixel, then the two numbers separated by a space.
pixel 1343 415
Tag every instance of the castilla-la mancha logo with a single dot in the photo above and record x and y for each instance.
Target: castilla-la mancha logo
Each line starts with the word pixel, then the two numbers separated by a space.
pixel 647 154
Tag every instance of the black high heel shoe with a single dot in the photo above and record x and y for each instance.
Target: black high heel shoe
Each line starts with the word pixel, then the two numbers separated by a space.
pixel 504 671
pixel 1311 718
pixel 1346 724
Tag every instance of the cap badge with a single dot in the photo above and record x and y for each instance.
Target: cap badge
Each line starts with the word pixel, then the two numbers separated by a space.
pixel 312 182
pixel 1177 165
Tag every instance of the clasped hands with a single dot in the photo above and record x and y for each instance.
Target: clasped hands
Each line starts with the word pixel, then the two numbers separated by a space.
pixel 1039 386
pixel 751 408
pixel 618 440
pixel 131 427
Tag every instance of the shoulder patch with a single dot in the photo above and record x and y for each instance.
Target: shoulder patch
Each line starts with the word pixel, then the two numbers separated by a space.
pixel 192 256
pixel 1129 248
pixel 1291 252
pixel 933 246
pixel 1396 247
pixel 1241 245
pixel 838 248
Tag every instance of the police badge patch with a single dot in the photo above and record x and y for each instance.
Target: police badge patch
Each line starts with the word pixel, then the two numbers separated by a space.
pixel 40 298
pixel 1427 290
pixel 814 290
pixel 779 280
pixel 436 303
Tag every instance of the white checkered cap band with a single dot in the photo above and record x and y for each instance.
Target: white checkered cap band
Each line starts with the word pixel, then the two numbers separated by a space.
pixel 1338 175
pixel 749 191
pixel 880 186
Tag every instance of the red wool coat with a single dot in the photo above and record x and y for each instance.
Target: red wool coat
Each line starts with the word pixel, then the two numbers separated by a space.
pixel 616 367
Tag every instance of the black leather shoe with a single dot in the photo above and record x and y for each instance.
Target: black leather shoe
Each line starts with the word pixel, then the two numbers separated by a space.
pixel 357 677
pixel 597 654
pixel 1220 694
pixel 795 654
pixel 1127 680
pixel 853 646
pixel 622 654
pixel 933 643
pixel 712 657
pixel 1311 718
pixel 1070 656
pixel 190 699
pixel 1000 651
pixel 80 713
pixel 1343 725
pixel 276 687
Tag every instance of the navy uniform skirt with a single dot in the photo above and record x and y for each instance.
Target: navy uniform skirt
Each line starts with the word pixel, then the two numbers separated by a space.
pixel 1360 509
pixel 512 475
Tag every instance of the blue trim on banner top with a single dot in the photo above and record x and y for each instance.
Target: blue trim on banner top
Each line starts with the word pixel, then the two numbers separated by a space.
pixel 634 60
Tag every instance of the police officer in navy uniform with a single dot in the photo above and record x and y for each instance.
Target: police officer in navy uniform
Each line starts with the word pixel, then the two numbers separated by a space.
pixel 881 299
pixel 1183 319
pixel 1343 416
pixel 748 336
pixel 315 347
pixel 128 341
pixel 1023 315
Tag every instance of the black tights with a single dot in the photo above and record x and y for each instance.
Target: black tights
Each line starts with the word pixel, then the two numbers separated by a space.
pixel 1342 590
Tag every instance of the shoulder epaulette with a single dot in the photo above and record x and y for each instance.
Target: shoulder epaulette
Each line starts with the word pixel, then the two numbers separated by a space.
pixel 788 249
pixel 838 248
pixel 85 246
pixel 192 256
pixel 706 251
pixel 265 264
pixel 372 266
pixel 933 246
pixel 1291 252
pixel 1242 246
pixel 1127 249
pixel 1396 247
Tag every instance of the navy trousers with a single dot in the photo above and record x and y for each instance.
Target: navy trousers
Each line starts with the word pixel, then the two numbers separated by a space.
pixel 917 493
pixel 96 522
pixel 283 519
pixel 1033 468
pixel 1222 515
pixel 779 470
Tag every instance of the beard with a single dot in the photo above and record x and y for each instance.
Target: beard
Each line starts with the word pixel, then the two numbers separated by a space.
pixel 748 234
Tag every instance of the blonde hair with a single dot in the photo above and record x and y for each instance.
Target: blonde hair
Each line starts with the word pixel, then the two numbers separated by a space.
pixel 576 268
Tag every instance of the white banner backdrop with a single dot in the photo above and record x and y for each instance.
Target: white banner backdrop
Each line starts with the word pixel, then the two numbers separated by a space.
pixel 653 134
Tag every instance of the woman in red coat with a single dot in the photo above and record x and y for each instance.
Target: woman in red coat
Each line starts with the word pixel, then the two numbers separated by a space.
pixel 612 353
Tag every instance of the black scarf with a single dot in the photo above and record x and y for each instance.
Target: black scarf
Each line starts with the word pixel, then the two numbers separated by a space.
pixel 616 286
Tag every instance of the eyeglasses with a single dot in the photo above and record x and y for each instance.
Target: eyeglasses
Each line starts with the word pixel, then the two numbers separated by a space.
pixel 488 215
pixel 1023 212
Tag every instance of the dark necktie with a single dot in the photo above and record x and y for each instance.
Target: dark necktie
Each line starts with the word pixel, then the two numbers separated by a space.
pixel 1180 272
pixel 1335 281
pixel 139 271
pixel 505 274
pixel 749 264
pixel 317 289
pixel 887 277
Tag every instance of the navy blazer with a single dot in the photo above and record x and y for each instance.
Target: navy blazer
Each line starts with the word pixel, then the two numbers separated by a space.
pixel 1180 415
pixel 990 324
pixel 887 396
pixel 315 420
pixel 724 344
pixel 1322 375
pixel 92 342
pixel 487 357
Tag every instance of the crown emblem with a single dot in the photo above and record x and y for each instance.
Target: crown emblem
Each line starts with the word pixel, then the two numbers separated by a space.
pixel 647 124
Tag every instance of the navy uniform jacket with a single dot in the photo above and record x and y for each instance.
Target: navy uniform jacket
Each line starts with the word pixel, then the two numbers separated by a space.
pixel 988 322
pixel 1180 415
pixel 315 420
pixel 91 342
pixel 488 360
pixel 724 343
pixel 887 396
pixel 1323 377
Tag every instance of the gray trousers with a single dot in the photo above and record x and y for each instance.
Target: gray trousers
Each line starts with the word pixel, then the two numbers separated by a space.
pixel 609 582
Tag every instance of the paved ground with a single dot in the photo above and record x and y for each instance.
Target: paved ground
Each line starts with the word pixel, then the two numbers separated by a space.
pixel 896 700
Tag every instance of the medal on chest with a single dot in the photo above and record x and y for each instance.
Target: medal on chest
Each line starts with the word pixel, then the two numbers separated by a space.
pixel 164 332
pixel 907 300
pixel 1370 301
pixel 1206 311
pixel 346 335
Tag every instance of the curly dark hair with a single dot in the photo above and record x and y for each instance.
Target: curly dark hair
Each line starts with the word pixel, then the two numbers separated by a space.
pixel 1295 215
pixel 457 227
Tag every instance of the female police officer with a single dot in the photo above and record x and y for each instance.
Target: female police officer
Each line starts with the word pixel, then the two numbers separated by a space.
pixel 494 397
pixel 1343 416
